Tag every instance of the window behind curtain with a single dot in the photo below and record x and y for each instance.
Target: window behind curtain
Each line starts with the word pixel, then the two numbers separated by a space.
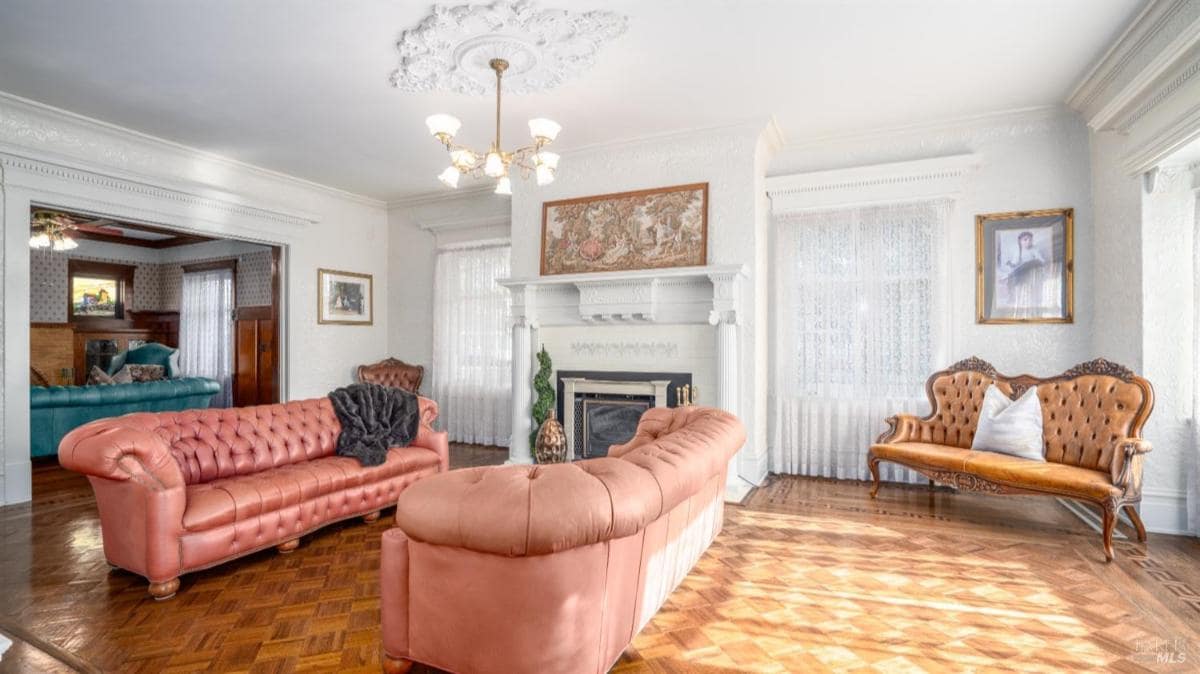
pixel 206 329
pixel 857 330
pixel 472 343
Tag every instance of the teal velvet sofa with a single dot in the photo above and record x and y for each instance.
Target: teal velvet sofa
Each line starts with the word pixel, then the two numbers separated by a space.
pixel 57 410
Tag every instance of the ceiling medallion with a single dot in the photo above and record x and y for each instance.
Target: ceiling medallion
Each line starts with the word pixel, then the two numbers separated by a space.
pixel 452 49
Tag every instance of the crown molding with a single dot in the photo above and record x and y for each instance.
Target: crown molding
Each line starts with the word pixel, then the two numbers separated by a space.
pixel 1147 51
pixel 440 196
pixel 894 182
pixel 40 127
pixel 982 120
pixel 465 223
pixel 1177 135
pixel 1166 72
pixel 22 170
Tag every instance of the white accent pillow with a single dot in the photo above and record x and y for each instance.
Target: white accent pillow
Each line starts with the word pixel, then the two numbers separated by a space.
pixel 1010 426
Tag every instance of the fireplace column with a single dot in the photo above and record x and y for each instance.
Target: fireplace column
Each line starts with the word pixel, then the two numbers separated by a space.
pixel 724 316
pixel 522 395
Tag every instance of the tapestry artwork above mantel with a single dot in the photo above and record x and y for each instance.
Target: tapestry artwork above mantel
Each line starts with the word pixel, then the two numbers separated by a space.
pixel 646 229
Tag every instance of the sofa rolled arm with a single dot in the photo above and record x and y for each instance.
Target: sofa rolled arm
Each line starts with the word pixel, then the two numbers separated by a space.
pixel 1127 462
pixel 428 409
pixel 118 449
pixel 904 428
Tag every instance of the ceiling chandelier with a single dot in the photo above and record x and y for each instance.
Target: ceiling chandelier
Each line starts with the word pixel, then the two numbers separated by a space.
pixel 496 162
pixel 49 230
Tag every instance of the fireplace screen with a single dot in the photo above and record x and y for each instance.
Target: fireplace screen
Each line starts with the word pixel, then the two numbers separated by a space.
pixel 607 421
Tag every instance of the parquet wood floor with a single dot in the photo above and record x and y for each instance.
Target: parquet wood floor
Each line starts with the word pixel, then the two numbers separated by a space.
pixel 809 576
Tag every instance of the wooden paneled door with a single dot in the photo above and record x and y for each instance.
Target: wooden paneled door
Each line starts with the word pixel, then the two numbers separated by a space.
pixel 256 348
pixel 254 381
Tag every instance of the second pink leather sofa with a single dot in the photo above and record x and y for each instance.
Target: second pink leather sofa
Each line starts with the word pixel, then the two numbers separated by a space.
pixel 183 491
pixel 553 568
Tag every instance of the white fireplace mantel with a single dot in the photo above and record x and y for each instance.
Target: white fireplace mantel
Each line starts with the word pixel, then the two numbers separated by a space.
pixel 679 295
pixel 710 294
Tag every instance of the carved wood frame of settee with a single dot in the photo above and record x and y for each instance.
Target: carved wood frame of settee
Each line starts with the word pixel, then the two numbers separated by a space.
pixel 1124 463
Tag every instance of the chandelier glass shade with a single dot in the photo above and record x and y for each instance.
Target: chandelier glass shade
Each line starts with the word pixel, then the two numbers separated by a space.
pixel 49 230
pixel 496 162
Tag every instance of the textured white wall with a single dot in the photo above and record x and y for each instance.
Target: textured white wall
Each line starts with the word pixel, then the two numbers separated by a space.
pixel 1029 160
pixel 1167 334
pixel 174 182
pixel 727 159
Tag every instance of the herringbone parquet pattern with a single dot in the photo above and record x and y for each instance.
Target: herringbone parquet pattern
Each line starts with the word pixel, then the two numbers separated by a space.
pixel 809 576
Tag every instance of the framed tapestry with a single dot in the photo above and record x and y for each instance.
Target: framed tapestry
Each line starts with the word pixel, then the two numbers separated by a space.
pixel 1025 267
pixel 345 297
pixel 647 229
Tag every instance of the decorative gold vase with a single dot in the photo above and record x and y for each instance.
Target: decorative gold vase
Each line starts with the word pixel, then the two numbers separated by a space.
pixel 551 443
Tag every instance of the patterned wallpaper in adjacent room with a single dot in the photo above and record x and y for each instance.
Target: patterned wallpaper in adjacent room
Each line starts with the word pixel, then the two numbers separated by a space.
pixel 156 287
pixel 253 280
pixel 48 285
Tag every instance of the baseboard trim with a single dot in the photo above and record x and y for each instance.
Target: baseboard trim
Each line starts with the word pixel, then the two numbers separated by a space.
pixel 16 485
pixel 1165 511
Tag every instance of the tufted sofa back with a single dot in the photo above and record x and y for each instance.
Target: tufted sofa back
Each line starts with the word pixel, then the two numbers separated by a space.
pixel 1084 410
pixel 394 373
pixel 518 510
pixel 215 443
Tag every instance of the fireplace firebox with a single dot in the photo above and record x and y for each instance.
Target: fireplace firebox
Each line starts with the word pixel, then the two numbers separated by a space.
pixel 600 409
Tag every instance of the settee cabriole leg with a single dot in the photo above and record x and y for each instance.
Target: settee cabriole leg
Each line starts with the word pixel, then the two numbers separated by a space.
pixel 288 546
pixel 371 517
pixel 1110 521
pixel 164 590
pixel 873 465
pixel 1137 522
pixel 396 665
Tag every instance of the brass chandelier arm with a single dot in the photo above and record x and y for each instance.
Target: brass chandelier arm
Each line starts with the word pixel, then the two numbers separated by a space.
pixel 496 162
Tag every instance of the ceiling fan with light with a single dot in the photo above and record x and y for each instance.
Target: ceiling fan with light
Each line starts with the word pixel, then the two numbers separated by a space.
pixel 51 229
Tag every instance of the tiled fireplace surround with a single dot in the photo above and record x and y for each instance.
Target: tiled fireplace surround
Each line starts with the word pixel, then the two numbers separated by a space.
pixel 709 295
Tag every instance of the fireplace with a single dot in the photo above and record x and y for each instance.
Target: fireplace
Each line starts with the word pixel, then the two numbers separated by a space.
pixel 600 409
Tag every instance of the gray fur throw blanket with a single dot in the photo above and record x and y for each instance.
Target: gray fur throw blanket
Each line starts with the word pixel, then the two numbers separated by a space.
pixel 374 418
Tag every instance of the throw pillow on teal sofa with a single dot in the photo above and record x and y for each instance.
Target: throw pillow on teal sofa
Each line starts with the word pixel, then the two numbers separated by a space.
pixel 150 353
pixel 57 410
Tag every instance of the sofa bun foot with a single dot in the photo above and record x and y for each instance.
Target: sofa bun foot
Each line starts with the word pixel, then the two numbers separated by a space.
pixel 288 546
pixel 164 590
pixel 371 517
pixel 396 665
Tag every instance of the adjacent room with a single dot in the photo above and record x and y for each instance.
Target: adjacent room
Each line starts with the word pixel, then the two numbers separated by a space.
pixel 556 336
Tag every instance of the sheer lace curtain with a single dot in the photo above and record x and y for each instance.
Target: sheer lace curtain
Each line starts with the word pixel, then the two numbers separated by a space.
pixel 857 328
pixel 472 343
pixel 206 329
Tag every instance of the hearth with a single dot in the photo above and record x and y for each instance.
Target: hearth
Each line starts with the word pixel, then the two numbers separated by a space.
pixel 600 409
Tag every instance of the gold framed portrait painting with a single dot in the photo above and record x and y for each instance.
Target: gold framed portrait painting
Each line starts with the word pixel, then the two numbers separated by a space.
pixel 1025 267
pixel 345 298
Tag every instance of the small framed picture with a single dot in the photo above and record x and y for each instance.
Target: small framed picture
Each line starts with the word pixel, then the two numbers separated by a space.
pixel 345 297
pixel 1025 267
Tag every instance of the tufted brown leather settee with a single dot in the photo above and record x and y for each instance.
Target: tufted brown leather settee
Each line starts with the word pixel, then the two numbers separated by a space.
pixel 183 491
pixel 1092 418
pixel 393 372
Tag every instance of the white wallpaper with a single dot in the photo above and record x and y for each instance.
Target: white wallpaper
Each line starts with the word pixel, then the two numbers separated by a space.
pixel 156 286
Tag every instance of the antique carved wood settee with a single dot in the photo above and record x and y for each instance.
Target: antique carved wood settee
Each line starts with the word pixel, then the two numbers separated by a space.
pixel 1092 417
pixel 183 491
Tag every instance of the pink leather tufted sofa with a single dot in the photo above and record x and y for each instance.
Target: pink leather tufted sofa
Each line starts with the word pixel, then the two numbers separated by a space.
pixel 183 491
pixel 553 568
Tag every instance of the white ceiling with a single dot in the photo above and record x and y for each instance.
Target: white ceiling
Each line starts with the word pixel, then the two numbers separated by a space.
pixel 301 86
